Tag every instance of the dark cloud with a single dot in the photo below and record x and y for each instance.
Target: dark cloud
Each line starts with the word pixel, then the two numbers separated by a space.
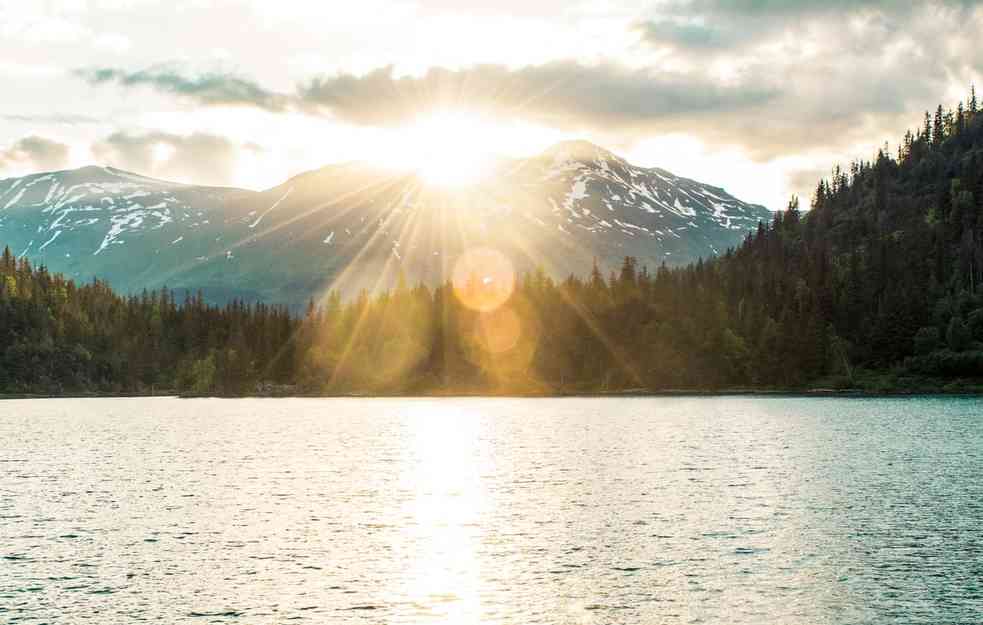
pixel 563 93
pixel 203 158
pixel 210 89
pixel 850 71
pixel 35 153
pixel 723 26
pixel 689 35
pixel 775 78
pixel 759 9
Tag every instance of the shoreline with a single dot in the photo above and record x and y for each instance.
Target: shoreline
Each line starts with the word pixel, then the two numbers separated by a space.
pixel 789 393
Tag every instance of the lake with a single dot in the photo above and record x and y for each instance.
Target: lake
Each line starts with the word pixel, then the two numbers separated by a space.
pixel 556 511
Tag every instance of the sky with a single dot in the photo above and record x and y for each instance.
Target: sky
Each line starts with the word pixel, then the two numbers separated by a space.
pixel 761 97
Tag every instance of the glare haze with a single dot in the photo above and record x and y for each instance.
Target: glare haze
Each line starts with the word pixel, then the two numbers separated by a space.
pixel 760 98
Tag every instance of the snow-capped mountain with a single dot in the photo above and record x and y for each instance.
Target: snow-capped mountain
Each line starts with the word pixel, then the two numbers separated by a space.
pixel 648 213
pixel 354 226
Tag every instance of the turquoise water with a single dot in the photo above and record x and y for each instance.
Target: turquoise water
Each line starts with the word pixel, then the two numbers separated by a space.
pixel 555 511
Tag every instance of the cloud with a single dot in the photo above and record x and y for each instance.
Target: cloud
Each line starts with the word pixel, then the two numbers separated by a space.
pixel 850 71
pixel 200 157
pixel 65 119
pixel 727 26
pixel 35 153
pixel 687 35
pixel 773 78
pixel 804 181
pixel 209 89
pixel 800 7
pixel 565 94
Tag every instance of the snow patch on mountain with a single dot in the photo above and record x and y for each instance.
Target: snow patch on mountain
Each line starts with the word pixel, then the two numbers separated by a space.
pixel 16 198
pixel 50 241
pixel 272 208
pixel 572 203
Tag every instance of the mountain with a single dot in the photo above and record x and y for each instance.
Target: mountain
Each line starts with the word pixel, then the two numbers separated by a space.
pixel 354 226
pixel 876 287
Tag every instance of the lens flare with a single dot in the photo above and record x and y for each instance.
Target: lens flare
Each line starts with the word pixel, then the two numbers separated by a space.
pixel 483 279
pixel 503 344
pixel 499 331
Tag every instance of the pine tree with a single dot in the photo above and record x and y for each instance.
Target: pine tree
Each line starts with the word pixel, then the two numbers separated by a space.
pixel 938 128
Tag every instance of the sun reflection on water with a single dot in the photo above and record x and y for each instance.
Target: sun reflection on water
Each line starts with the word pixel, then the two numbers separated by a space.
pixel 445 512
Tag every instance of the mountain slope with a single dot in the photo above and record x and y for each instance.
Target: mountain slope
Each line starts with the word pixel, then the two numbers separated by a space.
pixel 353 226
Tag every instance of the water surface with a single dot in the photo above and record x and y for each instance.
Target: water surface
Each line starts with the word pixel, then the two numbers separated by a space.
pixel 556 511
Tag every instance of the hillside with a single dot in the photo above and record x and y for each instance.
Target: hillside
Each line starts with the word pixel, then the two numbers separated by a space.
pixel 882 274
pixel 354 226
pixel 877 287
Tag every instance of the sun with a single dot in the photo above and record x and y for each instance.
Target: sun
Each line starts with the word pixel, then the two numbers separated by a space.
pixel 453 150
pixel 447 149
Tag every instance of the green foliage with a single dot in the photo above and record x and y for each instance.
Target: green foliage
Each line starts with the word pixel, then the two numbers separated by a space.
pixel 854 293
pixel 927 340
pixel 59 337
pixel 199 376
pixel 949 364
pixel 975 324
pixel 957 335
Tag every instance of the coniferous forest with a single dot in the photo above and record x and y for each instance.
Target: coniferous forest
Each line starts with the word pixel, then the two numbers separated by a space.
pixel 877 286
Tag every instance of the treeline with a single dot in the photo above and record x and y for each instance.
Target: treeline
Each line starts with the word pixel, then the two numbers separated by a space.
pixel 877 287
pixel 903 236
pixel 59 337
pixel 630 330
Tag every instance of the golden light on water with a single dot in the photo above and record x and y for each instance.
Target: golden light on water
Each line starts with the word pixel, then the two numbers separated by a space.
pixel 483 279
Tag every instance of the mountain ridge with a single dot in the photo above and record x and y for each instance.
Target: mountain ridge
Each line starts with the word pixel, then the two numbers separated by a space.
pixel 561 209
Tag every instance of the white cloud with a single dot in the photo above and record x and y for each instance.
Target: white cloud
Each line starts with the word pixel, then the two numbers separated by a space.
pixel 113 42
pixel 12 69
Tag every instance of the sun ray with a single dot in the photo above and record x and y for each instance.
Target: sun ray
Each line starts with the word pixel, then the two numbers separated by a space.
pixel 271 229
pixel 356 331
pixel 375 185
pixel 445 148
pixel 584 315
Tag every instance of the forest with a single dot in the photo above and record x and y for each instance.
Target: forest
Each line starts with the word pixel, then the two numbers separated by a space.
pixel 875 287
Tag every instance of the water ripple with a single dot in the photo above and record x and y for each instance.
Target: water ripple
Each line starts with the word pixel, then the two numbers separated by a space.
pixel 501 511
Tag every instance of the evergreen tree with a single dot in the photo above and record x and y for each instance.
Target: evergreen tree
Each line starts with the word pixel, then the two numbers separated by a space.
pixel 882 273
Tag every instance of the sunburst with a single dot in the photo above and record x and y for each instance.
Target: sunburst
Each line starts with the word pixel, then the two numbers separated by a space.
pixel 446 149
